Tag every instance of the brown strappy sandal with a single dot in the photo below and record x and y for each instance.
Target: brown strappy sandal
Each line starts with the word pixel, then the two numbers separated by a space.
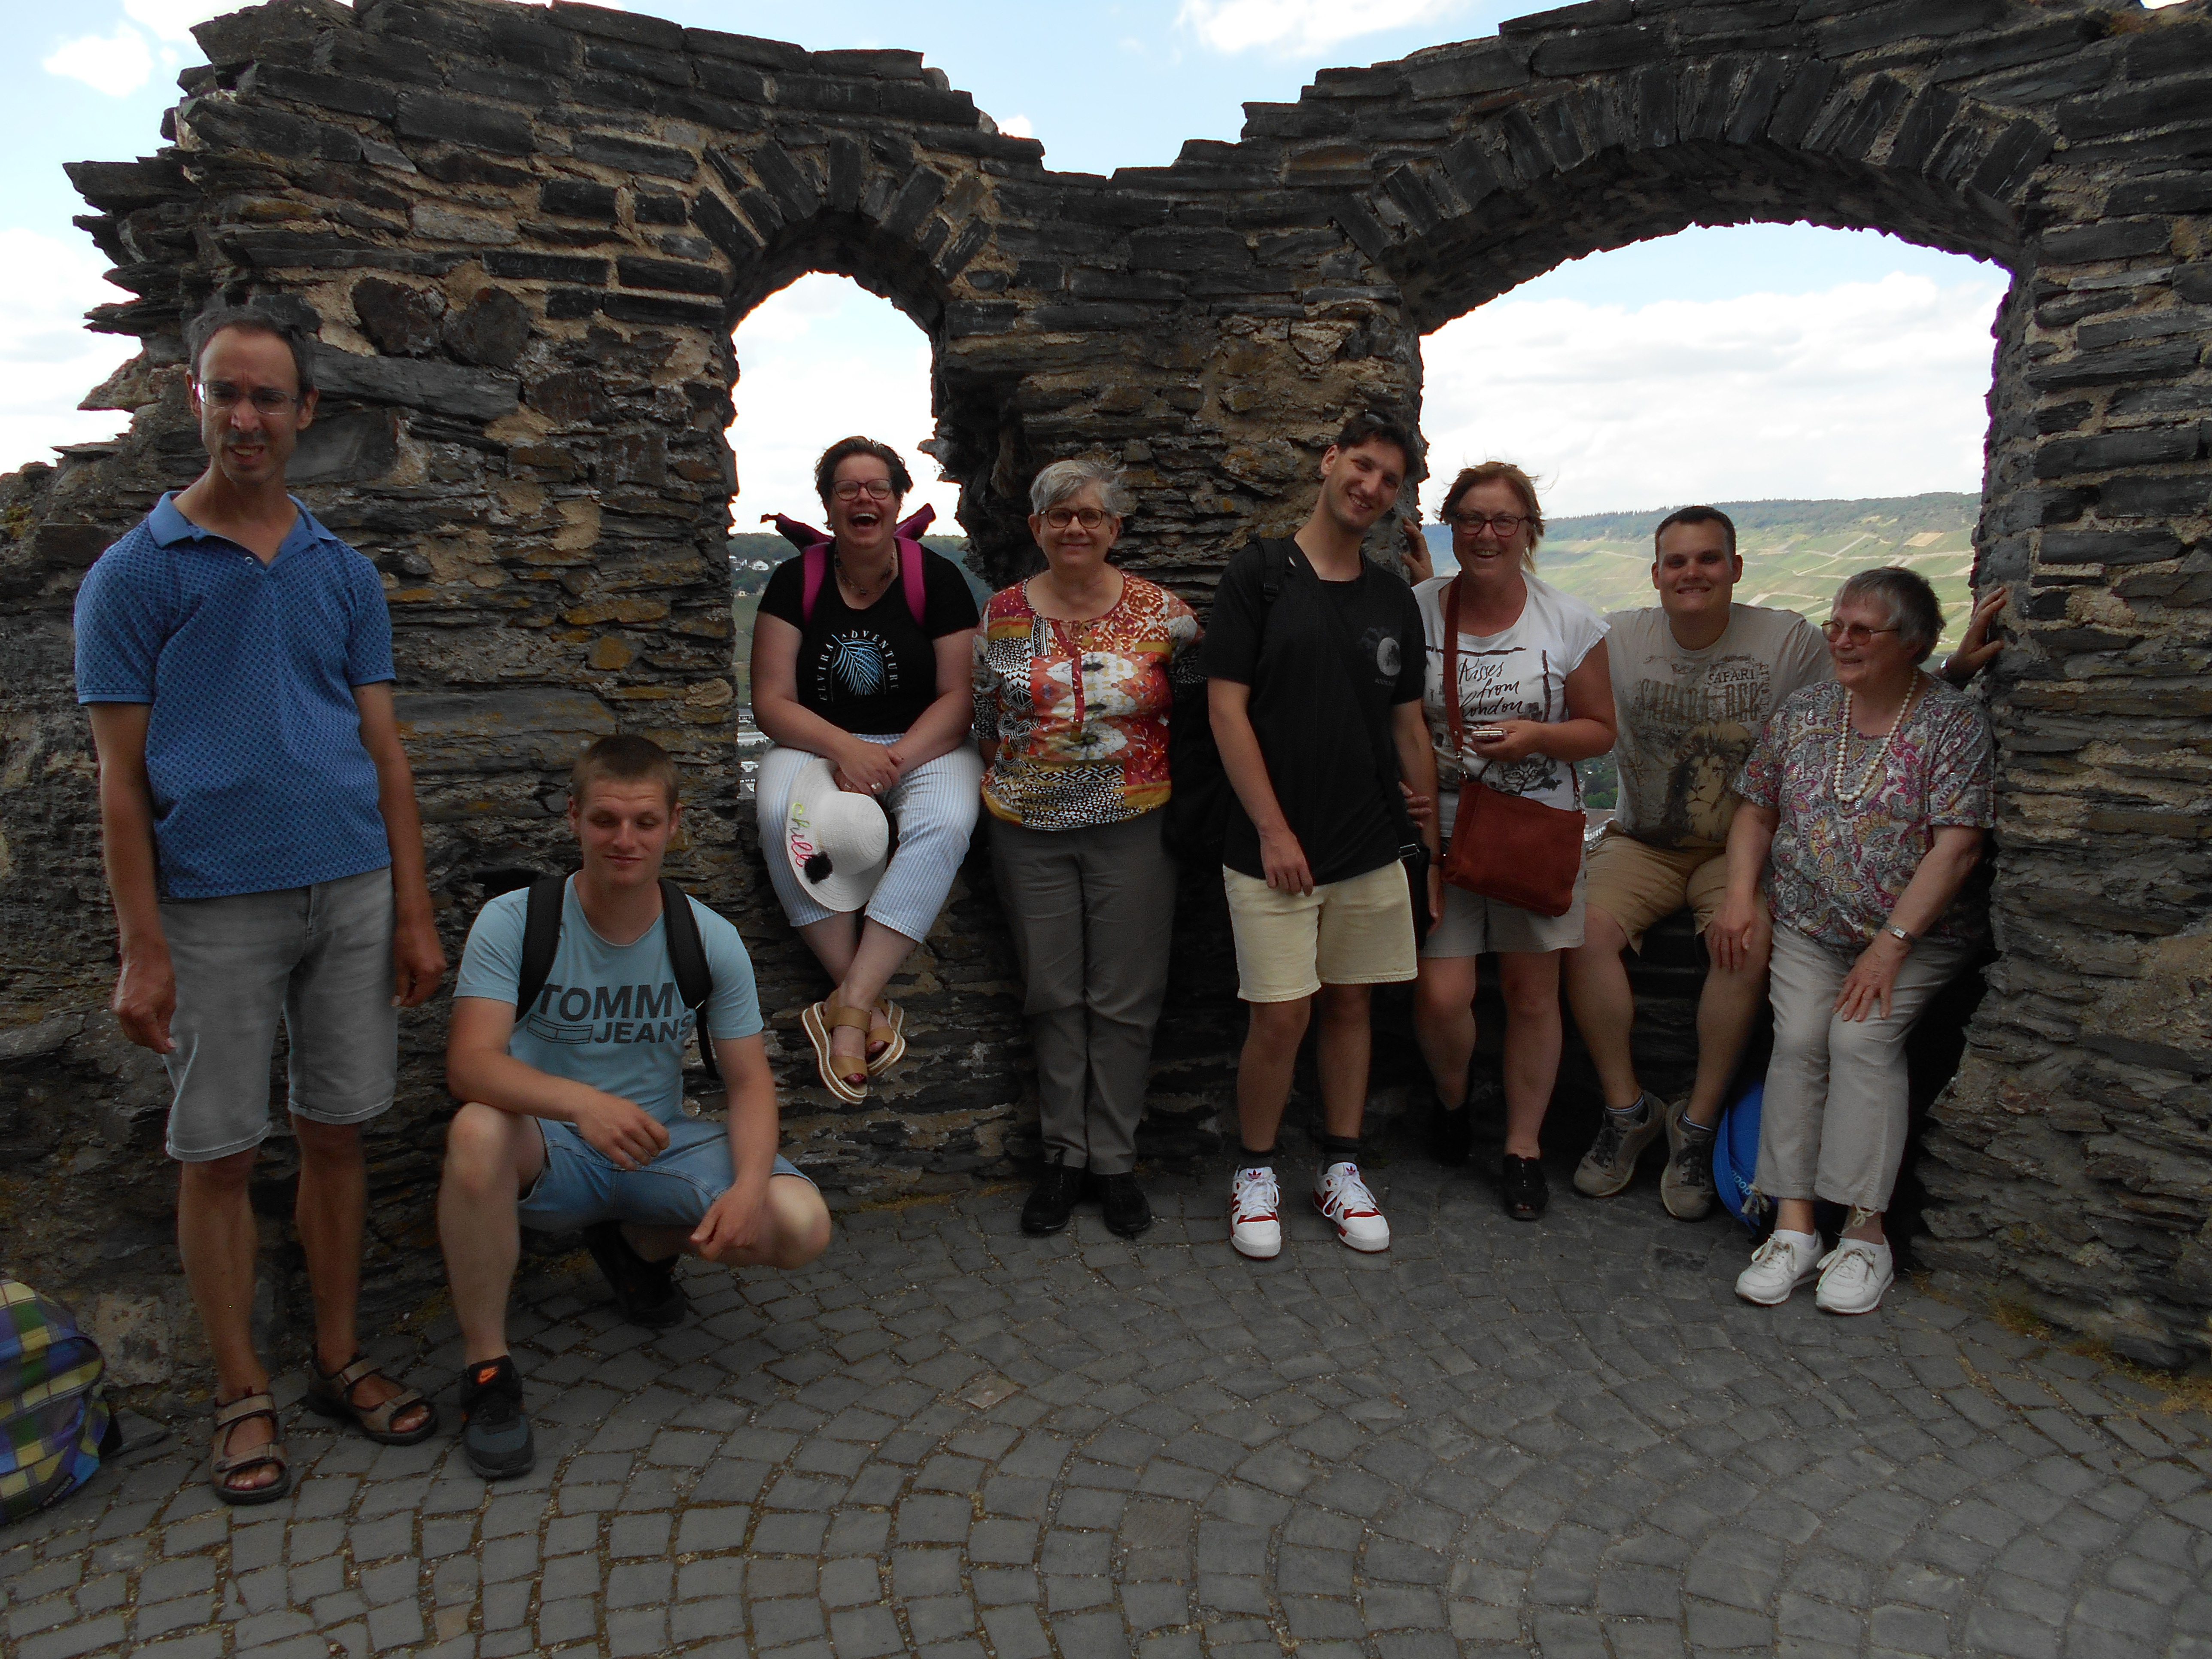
pixel 820 1019
pixel 886 1026
pixel 333 1396
pixel 221 1465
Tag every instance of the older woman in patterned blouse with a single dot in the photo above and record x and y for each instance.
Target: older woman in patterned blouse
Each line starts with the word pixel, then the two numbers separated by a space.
pixel 1072 688
pixel 1865 803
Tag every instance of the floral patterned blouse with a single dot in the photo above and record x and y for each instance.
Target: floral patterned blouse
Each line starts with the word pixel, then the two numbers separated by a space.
pixel 1837 869
pixel 1079 710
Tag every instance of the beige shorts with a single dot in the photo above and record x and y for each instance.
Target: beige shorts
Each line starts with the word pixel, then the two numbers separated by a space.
pixel 1358 931
pixel 1474 925
pixel 1638 884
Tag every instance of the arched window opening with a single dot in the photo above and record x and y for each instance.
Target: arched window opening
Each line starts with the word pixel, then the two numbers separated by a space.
pixel 819 360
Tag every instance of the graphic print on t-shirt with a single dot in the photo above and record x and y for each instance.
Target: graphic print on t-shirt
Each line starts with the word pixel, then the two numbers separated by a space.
pixel 855 663
pixel 580 1015
pixel 1505 685
pixel 1703 723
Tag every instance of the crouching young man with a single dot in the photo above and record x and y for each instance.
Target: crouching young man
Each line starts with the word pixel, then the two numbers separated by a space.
pixel 574 1118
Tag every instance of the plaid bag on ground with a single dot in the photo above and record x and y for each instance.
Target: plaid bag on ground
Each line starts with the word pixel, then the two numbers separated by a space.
pixel 52 1415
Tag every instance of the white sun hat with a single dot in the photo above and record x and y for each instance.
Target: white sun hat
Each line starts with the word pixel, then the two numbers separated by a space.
pixel 838 841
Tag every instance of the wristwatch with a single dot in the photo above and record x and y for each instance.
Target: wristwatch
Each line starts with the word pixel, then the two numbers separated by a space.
pixel 1896 933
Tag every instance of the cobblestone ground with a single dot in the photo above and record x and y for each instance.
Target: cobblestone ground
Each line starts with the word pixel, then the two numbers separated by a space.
pixel 950 1439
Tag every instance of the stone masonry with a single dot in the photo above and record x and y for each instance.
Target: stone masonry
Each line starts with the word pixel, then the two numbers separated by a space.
pixel 525 234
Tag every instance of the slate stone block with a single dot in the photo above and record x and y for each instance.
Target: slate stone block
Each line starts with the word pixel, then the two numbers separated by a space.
pixel 403 321
pixel 640 308
pixel 577 198
pixel 637 271
pixel 1591 14
pixel 2164 360
pixel 638 30
pixel 2108 239
pixel 2108 546
pixel 481 126
pixel 2112 450
pixel 490 330
pixel 545 267
pixel 628 154
pixel 1904 19
pixel 1587 52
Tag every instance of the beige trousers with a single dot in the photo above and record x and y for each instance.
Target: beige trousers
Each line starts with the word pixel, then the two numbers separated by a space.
pixel 1092 911
pixel 1833 1122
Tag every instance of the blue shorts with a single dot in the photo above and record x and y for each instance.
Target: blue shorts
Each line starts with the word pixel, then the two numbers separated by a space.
pixel 579 1185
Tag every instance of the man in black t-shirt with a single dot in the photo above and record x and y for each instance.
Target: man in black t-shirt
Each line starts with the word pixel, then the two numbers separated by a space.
pixel 1316 659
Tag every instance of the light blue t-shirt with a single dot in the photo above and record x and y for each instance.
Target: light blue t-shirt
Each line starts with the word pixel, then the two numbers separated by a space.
pixel 609 1015
pixel 253 752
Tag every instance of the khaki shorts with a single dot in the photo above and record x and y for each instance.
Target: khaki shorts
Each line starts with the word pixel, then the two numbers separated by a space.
pixel 1638 884
pixel 1358 931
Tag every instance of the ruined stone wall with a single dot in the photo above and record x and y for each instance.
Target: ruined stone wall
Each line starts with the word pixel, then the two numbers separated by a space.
pixel 525 236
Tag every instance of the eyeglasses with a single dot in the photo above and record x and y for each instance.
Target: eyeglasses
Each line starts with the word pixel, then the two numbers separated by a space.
pixel 1504 523
pixel 1089 517
pixel 849 489
pixel 1851 633
pixel 266 399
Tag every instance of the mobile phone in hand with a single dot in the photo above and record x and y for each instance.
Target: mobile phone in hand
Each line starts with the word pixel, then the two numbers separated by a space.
pixel 1486 734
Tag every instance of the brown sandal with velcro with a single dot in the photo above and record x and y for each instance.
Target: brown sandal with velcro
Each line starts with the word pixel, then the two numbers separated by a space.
pixel 820 1019
pixel 221 1465
pixel 333 1396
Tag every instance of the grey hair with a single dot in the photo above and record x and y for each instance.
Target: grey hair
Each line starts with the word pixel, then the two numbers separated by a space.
pixel 257 320
pixel 1911 604
pixel 1056 482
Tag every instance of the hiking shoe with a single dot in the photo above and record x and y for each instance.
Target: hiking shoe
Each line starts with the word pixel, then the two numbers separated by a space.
pixel 1686 1187
pixel 1779 1266
pixel 1343 1199
pixel 1853 1276
pixel 1051 1201
pixel 1522 1188
pixel 495 1434
pixel 646 1291
pixel 1451 1135
pixel 1128 1212
pixel 1610 1164
pixel 1255 1220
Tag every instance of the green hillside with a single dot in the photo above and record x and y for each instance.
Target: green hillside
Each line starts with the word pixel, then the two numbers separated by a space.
pixel 1795 553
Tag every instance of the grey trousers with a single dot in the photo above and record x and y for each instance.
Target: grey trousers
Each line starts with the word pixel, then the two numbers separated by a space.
pixel 1833 1122
pixel 1092 913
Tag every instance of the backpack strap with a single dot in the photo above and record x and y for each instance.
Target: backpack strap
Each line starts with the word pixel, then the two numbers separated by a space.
pixel 695 981
pixel 909 552
pixel 541 941
pixel 813 571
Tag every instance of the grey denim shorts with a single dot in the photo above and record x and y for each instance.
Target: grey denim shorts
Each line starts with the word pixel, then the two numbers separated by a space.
pixel 318 958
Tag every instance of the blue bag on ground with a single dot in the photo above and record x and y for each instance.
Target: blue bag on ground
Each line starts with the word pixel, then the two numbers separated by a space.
pixel 1735 1153
pixel 52 1416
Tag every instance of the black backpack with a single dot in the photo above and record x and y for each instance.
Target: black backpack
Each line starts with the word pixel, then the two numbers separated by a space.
pixel 1199 798
pixel 541 942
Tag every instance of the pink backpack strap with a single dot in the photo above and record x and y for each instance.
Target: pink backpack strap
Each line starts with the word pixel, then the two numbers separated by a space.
pixel 909 552
pixel 813 571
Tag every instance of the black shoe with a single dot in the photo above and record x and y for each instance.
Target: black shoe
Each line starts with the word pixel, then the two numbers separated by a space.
pixel 1451 1135
pixel 1128 1211
pixel 1522 1188
pixel 495 1434
pixel 646 1291
pixel 1051 1201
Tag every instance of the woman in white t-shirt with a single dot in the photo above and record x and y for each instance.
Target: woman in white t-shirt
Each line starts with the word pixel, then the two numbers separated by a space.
pixel 1536 696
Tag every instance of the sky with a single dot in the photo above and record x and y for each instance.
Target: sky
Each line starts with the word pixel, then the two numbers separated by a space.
pixel 1734 364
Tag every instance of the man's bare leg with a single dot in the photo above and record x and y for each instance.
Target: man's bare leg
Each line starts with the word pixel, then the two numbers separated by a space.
pixel 217 1237
pixel 491 1158
pixel 1728 1008
pixel 1264 1068
pixel 330 1210
pixel 798 1231
pixel 1342 1050
pixel 1605 1006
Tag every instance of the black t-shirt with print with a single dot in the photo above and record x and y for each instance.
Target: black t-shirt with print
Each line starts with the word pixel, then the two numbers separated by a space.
pixel 873 670
pixel 1314 739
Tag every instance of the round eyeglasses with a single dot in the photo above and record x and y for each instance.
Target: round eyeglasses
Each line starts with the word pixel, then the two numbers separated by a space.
pixel 846 489
pixel 1089 517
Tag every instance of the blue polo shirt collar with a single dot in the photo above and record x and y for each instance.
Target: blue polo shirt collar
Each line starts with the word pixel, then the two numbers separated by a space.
pixel 168 526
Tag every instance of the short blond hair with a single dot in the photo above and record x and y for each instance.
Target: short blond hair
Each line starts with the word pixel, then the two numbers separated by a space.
pixel 622 758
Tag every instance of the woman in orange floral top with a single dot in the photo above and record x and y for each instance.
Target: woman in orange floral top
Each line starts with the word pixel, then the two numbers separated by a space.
pixel 1074 675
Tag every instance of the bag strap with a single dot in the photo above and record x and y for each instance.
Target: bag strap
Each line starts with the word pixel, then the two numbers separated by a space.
pixel 687 954
pixel 1452 716
pixel 813 570
pixel 917 599
pixel 1381 750
pixel 541 941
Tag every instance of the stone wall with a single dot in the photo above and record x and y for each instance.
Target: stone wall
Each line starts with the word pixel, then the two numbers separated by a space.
pixel 525 236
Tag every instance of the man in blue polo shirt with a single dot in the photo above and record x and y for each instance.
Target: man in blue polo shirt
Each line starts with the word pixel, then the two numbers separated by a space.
pixel 264 855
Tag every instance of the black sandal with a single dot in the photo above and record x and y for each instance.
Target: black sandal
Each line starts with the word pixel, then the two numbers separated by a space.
pixel 1522 1188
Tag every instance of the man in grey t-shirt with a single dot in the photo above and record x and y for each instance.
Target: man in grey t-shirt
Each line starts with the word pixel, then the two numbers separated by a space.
pixel 1694 679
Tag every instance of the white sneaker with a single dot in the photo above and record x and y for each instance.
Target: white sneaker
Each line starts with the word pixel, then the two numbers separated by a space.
pixel 1853 1276
pixel 1779 1266
pixel 1342 1197
pixel 1255 1220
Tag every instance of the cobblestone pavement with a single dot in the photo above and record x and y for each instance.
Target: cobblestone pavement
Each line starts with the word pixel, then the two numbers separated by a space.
pixel 950 1439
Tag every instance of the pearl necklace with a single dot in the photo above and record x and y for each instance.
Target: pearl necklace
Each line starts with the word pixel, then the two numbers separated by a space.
pixel 1852 797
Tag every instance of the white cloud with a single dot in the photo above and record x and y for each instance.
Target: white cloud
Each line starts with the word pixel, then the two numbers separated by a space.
pixel 1868 389
pixel 817 362
pixel 116 64
pixel 173 19
pixel 1018 126
pixel 48 360
pixel 1294 26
